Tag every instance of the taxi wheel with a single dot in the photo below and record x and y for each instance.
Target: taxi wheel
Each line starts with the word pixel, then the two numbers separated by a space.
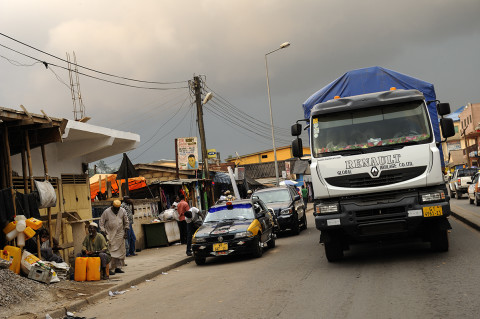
pixel 200 260
pixel 271 242
pixel 258 249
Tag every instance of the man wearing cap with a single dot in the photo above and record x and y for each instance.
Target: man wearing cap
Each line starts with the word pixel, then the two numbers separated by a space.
pixel 114 222
pixel 95 245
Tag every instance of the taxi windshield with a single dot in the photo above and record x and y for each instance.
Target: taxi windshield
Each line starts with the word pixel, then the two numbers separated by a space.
pixel 234 212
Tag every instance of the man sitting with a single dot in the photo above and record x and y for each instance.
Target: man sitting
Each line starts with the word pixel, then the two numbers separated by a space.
pixel 95 245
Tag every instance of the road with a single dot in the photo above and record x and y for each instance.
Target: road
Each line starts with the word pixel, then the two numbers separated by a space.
pixel 294 280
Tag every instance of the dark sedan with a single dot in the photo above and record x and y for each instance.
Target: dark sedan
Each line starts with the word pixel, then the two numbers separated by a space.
pixel 234 227
pixel 287 205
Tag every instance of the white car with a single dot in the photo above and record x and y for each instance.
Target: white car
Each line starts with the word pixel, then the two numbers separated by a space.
pixel 474 191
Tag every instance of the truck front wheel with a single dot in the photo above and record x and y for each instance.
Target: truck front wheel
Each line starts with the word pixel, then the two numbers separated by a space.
pixel 333 249
pixel 439 240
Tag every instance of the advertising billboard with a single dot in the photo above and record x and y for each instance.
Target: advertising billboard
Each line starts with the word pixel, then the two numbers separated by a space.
pixel 187 150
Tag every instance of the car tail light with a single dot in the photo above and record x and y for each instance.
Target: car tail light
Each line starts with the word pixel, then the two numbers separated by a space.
pixel 459 181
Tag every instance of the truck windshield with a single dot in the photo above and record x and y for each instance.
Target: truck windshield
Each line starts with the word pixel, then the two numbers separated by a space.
pixel 400 123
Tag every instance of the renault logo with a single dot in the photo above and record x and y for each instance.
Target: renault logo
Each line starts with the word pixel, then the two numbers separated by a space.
pixel 374 171
pixel 220 239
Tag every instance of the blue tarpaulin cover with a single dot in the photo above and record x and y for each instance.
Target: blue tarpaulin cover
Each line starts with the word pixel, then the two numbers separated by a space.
pixel 375 79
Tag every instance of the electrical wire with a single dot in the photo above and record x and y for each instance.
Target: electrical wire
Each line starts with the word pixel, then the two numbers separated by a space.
pixel 46 64
pixel 16 63
pixel 87 68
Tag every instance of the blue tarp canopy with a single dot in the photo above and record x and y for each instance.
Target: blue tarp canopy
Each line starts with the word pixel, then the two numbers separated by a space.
pixel 375 79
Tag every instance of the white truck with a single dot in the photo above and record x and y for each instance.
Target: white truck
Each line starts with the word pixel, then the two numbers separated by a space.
pixel 376 170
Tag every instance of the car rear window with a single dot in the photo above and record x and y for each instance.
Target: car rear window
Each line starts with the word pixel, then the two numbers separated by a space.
pixel 467 172
pixel 274 196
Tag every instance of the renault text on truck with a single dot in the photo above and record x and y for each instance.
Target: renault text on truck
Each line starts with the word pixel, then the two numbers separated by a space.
pixel 376 170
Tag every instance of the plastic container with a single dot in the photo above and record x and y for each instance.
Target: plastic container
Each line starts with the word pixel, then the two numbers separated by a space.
pixel 11 226
pixel 29 232
pixel 21 225
pixel 21 239
pixel 16 253
pixel 80 269
pixel 4 254
pixel 93 268
pixel 12 235
pixel 34 223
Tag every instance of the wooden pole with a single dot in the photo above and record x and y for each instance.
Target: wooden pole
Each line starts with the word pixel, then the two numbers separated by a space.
pixel 9 167
pixel 29 160
pixel 49 209
pixel 24 170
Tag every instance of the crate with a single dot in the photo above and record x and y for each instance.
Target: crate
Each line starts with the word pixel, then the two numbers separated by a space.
pixel 41 274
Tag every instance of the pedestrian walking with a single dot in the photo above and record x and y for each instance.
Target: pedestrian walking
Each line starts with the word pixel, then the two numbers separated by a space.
pixel 194 220
pixel 305 195
pixel 182 207
pixel 114 223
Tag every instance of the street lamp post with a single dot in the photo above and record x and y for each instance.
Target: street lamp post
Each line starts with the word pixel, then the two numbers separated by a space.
pixel 282 46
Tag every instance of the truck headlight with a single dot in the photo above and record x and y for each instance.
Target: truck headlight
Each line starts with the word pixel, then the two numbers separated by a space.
pixel 432 197
pixel 244 234
pixel 286 211
pixel 326 208
pixel 198 240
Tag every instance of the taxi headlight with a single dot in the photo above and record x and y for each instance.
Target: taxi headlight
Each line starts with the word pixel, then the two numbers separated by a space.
pixel 286 211
pixel 432 197
pixel 244 234
pixel 198 240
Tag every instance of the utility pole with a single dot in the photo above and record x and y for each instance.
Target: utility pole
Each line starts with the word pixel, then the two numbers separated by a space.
pixel 201 129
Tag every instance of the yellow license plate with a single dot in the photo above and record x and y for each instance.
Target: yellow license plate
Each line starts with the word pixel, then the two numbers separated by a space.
pixel 220 247
pixel 432 211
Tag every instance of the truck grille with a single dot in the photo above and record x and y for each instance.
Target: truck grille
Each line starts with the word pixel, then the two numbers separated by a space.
pixel 386 178
pixel 379 214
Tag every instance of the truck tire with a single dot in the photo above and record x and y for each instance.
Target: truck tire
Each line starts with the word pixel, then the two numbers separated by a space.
pixel 439 240
pixel 470 200
pixel 334 249
pixel 475 200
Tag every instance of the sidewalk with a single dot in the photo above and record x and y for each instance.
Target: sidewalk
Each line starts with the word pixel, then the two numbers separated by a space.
pixel 472 219
pixel 148 264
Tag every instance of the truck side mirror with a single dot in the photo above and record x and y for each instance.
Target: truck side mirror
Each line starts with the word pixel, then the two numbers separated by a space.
pixel 443 109
pixel 296 129
pixel 448 129
pixel 297 147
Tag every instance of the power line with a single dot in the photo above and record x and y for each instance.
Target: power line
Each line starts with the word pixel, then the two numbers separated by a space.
pixel 87 68
pixel 46 64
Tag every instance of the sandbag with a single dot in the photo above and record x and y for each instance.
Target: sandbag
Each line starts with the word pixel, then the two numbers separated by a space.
pixel 47 194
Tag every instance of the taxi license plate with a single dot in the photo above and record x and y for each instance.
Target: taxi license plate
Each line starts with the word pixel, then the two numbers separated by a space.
pixel 220 247
pixel 432 211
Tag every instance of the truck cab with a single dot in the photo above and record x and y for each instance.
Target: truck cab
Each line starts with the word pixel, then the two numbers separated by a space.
pixel 376 170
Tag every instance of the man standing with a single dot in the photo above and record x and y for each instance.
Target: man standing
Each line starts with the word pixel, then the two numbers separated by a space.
pixel 131 239
pixel 194 220
pixel 95 245
pixel 182 207
pixel 114 222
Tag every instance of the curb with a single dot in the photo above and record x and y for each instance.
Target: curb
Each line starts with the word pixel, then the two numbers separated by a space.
pixel 77 305
pixel 465 221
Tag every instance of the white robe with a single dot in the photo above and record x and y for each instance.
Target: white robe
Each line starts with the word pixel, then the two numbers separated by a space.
pixel 115 226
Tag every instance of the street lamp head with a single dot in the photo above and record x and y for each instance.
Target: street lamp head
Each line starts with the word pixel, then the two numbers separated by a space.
pixel 284 45
pixel 207 98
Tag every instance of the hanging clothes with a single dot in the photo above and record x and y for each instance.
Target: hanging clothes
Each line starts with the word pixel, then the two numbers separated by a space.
pixel 27 205
pixel 6 206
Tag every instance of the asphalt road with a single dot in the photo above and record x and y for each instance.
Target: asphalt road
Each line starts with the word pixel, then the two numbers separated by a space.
pixel 294 280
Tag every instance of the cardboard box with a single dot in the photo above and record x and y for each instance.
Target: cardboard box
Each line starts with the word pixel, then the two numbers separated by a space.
pixel 41 274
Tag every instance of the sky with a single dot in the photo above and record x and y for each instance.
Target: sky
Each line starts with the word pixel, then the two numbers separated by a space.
pixel 224 43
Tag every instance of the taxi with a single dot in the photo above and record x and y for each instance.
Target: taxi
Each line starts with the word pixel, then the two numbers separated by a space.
pixel 234 227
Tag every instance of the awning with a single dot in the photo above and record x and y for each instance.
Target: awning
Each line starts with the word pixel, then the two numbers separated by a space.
pixel 179 181
pixel 133 183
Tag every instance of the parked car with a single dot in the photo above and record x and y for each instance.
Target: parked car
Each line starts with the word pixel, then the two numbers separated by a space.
pixel 457 185
pixel 287 205
pixel 474 191
pixel 234 227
